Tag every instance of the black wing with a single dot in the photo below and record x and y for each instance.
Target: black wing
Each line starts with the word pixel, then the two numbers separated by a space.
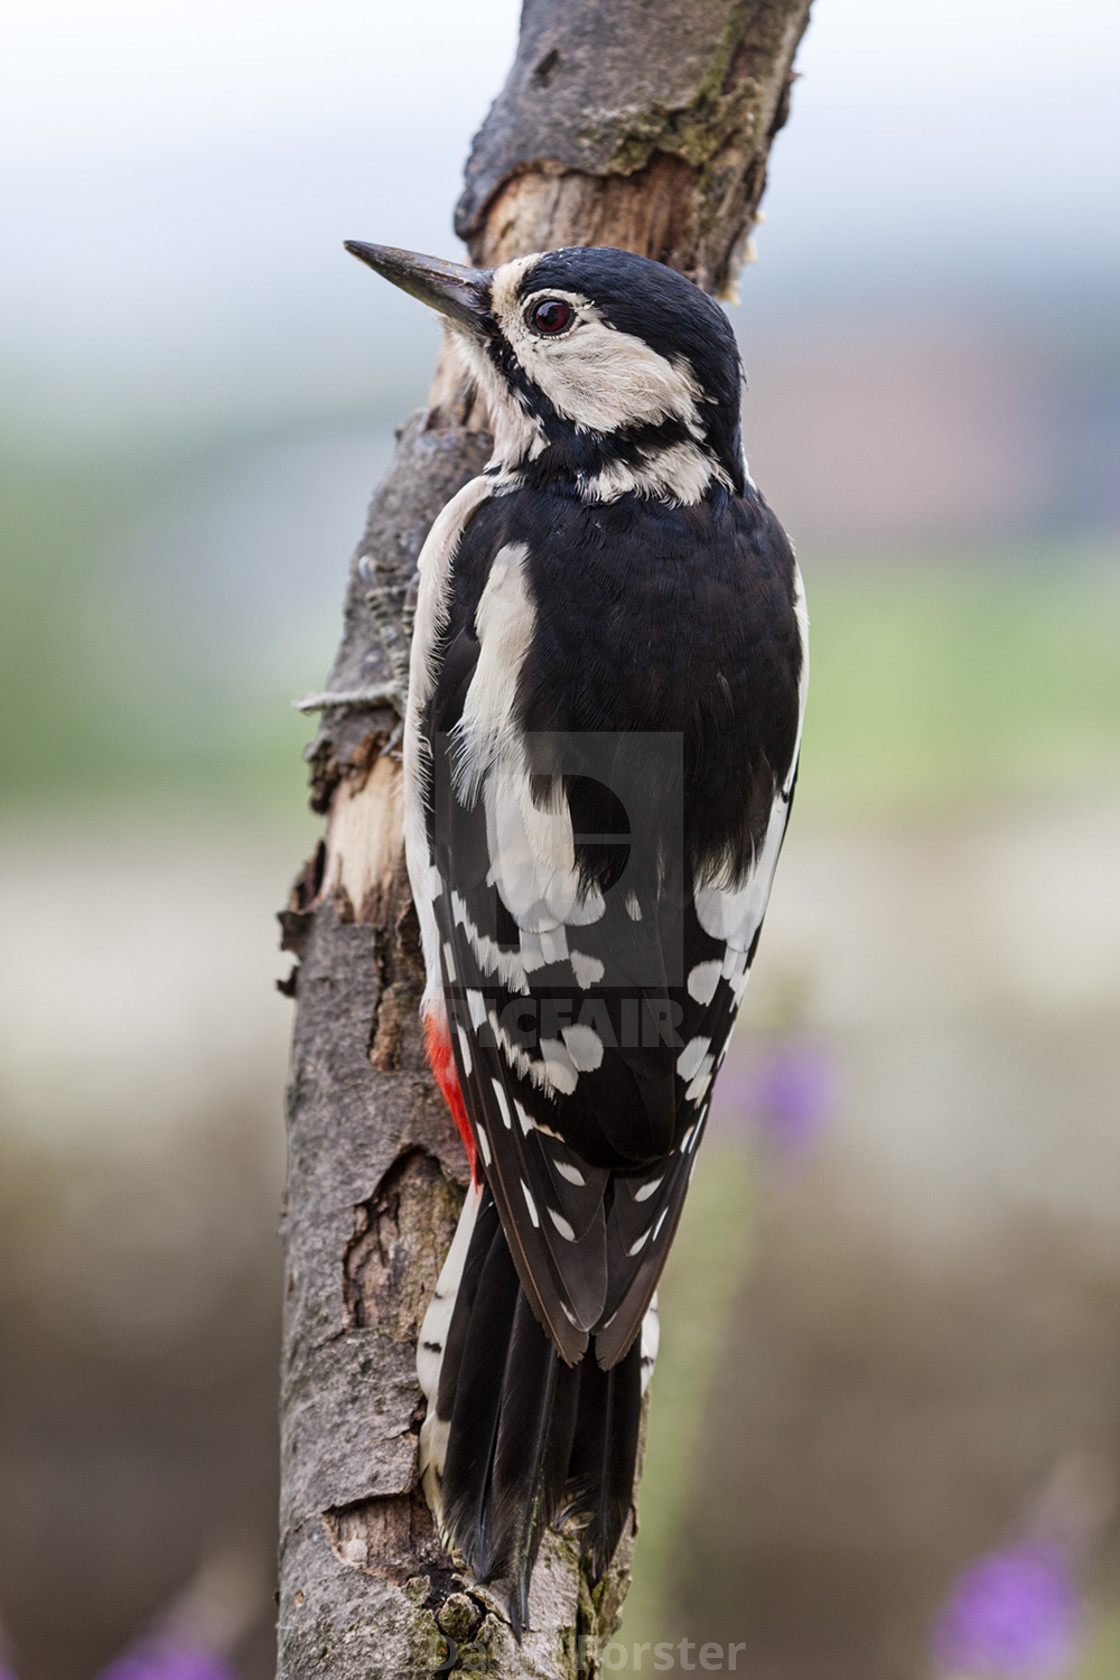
pixel 604 827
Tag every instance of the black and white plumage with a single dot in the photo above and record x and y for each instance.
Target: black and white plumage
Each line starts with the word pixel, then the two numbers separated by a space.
pixel 606 689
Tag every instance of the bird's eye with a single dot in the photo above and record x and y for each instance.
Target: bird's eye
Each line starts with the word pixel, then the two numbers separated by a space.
pixel 551 316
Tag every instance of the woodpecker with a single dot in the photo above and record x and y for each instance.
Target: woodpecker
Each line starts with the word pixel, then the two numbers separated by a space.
pixel 606 687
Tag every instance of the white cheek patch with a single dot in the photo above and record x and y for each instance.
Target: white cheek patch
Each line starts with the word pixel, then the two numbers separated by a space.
pixel 602 379
pixel 593 374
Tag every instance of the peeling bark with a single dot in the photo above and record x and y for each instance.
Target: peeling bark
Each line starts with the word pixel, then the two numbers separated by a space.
pixel 635 124
pixel 644 124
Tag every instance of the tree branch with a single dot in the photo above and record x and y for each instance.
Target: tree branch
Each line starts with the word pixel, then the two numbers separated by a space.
pixel 644 124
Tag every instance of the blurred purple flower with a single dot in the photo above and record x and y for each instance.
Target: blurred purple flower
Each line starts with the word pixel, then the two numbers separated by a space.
pixel 163 1659
pixel 793 1094
pixel 1013 1615
pixel 6 1673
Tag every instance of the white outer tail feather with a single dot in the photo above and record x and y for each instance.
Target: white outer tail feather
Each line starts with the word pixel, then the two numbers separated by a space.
pixel 429 1353
pixel 433 1340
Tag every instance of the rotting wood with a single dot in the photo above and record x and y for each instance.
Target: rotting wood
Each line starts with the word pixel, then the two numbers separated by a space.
pixel 644 124
pixel 391 1264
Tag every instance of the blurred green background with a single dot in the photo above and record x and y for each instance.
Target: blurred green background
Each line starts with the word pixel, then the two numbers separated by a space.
pixel 891 1322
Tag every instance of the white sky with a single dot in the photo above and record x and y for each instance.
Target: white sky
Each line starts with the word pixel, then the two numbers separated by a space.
pixel 123 73
pixel 176 175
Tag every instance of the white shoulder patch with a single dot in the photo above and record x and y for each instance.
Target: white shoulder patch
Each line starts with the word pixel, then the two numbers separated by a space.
pixel 435 562
pixel 734 914
pixel 531 846
pixel 532 855
pixel 505 620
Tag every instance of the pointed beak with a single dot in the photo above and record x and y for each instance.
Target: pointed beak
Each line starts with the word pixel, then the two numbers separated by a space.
pixel 462 294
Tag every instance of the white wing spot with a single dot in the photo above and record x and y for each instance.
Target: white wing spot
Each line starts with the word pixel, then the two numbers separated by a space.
pixel 477 1008
pixel 691 1057
pixel 703 980
pixel 449 964
pixel 514 1054
pixel 636 1248
pixel 587 970
pixel 633 908
pixel 557 1071
pixel 645 1191
pixel 484 1144
pixel 572 1174
pixel 539 949
pixel 735 914
pixel 530 1204
pixel 585 1047
pixel 465 1051
pixel 567 1231
pixel 507 965
pixel 528 1124
pixel 503 1103
pixel 694 1092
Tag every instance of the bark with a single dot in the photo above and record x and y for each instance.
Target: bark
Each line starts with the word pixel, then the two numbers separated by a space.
pixel 644 124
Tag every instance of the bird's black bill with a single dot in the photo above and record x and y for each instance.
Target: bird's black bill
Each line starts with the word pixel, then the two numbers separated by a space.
pixel 462 294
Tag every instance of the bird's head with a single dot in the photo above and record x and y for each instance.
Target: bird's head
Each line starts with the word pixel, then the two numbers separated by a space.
pixel 598 366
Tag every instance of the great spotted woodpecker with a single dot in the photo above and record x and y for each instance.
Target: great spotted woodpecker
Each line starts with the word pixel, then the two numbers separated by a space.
pixel 606 687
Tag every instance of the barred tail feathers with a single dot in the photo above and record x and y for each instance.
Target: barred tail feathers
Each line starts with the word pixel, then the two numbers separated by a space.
pixel 515 1438
pixel 432 1346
